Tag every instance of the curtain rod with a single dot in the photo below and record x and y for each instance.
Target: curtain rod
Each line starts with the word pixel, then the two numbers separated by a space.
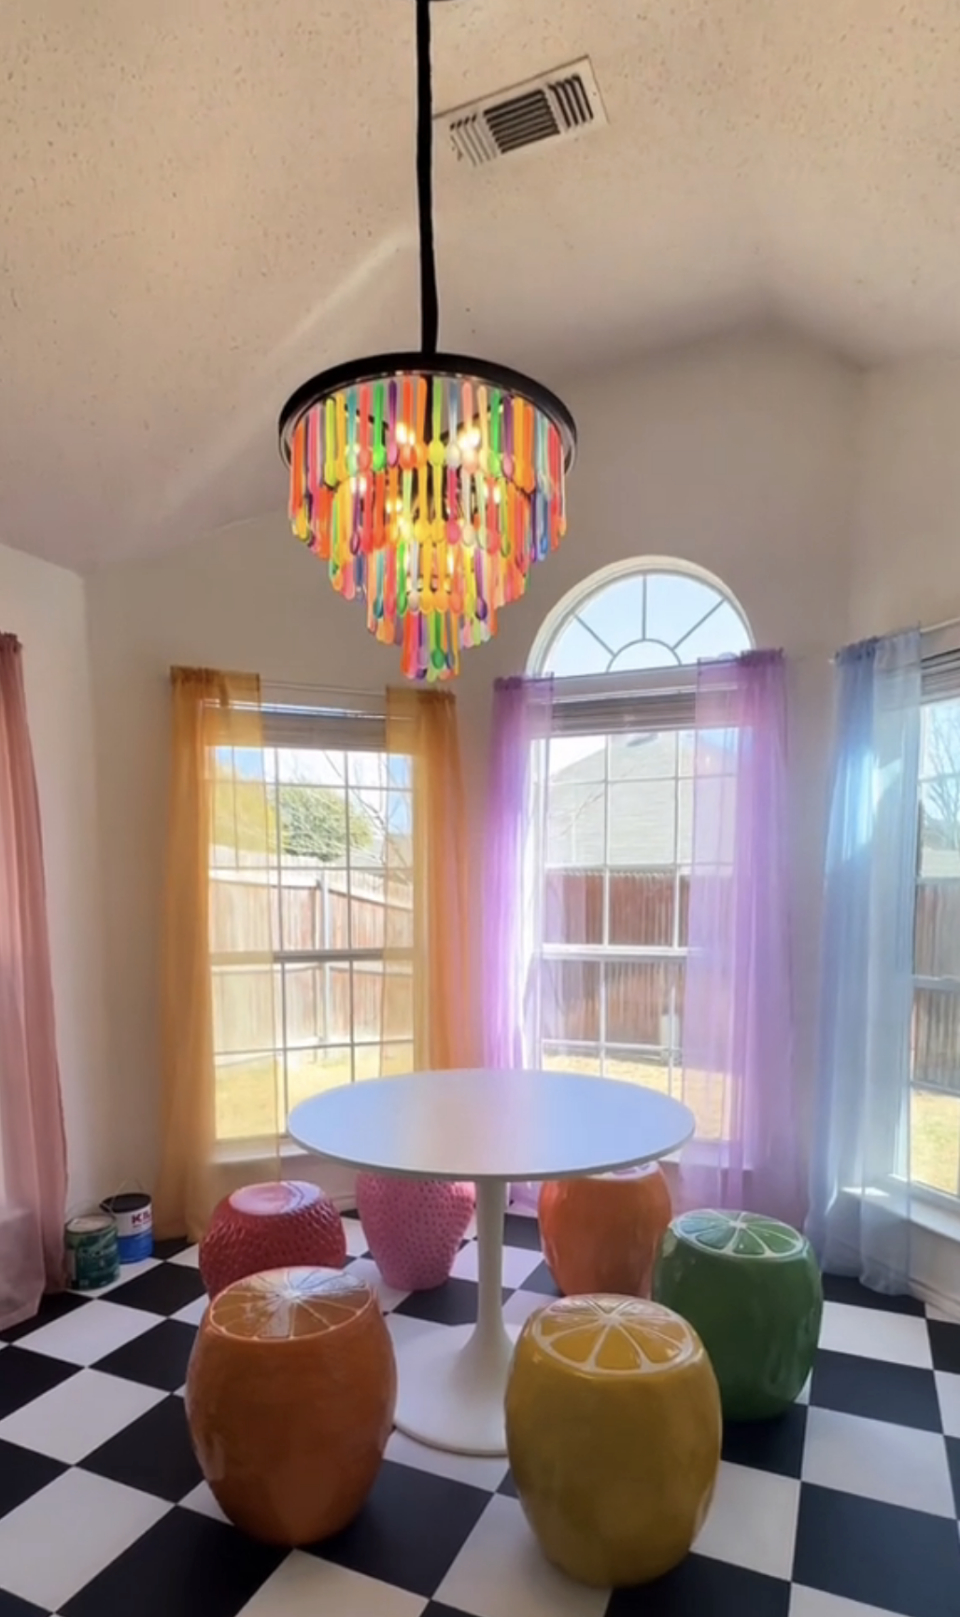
pixel 324 690
pixel 934 628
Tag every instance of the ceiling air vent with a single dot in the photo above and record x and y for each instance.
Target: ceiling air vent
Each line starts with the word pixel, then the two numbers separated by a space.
pixel 556 105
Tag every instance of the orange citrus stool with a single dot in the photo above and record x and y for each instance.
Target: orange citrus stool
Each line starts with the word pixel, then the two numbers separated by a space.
pixel 291 1391
pixel 603 1233
pixel 613 1433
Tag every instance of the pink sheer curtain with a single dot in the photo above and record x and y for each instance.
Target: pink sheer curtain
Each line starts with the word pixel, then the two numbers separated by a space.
pixel 33 1167
pixel 513 921
pixel 737 1017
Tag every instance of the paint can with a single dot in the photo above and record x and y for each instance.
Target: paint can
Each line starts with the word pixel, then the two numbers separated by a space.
pixel 133 1212
pixel 93 1258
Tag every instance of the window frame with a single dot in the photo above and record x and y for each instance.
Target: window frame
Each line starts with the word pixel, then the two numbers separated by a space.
pixel 295 719
pixel 622 702
pixel 940 681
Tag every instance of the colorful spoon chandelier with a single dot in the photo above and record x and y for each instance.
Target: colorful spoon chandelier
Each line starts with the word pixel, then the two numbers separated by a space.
pixel 429 483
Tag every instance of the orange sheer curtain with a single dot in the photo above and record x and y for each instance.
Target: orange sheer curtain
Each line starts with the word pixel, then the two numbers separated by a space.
pixel 221 1101
pixel 33 1164
pixel 427 816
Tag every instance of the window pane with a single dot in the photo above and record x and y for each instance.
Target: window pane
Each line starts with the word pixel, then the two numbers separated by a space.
pixel 576 816
pixel 575 651
pixel 570 1000
pixel 709 1096
pixel 248 1096
pixel 648 755
pixel 676 604
pixel 367 908
pixel 616 613
pixel 382 1001
pixel 721 635
pixel 578 758
pixel 573 906
pixel 370 770
pixel 936 1039
pixel 940 788
pixel 311 1072
pixel 642 823
pixel 935 1141
pixel 367 820
pixel 305 903
pixel 246 1001
pixel 644 654
pixel 652 1071
pixel 642 907
pixel 643 1002
pixel 243 911
pixel 563 1058
pixel 937 928
pixel 316 1002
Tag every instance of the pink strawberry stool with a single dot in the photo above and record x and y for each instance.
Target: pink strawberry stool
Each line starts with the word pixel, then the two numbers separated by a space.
pixel 413 1227
pixel 273 1226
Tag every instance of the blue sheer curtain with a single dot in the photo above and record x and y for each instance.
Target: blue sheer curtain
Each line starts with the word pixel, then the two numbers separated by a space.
pixel 860 1184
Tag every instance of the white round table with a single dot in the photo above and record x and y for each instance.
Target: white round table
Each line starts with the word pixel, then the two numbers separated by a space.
pixel 490 1127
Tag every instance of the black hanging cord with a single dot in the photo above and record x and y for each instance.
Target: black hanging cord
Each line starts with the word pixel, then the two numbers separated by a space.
pixel 429 298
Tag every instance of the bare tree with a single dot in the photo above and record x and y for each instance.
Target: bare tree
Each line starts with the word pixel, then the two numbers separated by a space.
pixel 941 788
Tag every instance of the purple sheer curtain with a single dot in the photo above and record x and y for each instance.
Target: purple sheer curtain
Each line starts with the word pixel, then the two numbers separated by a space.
pixel 33 1170
pixel 737 1015
pixel 513 908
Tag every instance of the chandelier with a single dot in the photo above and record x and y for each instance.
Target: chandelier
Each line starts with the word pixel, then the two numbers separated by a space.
pixel 428 482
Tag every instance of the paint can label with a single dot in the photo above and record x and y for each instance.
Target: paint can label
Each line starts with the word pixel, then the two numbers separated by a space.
pixel 93 1258
pixel 133 1213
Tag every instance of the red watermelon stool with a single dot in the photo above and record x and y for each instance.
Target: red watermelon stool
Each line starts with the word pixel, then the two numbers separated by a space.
pixel 274 1226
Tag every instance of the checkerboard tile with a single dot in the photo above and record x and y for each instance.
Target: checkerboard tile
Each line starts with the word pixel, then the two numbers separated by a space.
pixel 848 1507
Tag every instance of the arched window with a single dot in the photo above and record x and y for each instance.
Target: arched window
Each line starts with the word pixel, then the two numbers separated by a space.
pixel 618 780
pixel 640 615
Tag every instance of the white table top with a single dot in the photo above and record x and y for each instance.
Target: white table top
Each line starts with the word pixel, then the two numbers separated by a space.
pixel 485 1124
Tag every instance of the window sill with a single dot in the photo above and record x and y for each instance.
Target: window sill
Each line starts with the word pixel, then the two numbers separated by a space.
pixel 938 1219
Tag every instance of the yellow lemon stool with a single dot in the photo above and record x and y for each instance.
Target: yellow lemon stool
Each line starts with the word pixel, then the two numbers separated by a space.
pixel 291 1389
pixel 613 1433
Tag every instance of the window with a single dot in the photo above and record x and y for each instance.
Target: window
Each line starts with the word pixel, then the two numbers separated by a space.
pixel 333 1005
pixel 618 844
pixel 935 1054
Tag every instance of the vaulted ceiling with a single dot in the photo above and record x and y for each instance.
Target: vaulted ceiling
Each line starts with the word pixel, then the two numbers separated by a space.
pixel 202 203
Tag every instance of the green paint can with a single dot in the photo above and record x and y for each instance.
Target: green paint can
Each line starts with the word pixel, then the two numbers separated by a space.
pixel 93 1254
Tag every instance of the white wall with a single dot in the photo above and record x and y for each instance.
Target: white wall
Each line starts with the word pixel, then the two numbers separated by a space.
pixel 736 455
pixel 906 552
pixel 45 607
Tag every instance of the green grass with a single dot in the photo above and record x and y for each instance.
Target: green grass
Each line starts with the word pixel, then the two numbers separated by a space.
pixel 247 1105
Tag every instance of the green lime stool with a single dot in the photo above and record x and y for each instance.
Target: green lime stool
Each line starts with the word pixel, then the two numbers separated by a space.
pixel 750 1287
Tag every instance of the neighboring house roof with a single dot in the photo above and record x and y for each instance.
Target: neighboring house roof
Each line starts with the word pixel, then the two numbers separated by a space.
pixel 650 803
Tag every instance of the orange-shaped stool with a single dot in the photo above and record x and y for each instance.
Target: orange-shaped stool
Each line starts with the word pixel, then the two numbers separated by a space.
pixel 603 1233
pixel 290 1398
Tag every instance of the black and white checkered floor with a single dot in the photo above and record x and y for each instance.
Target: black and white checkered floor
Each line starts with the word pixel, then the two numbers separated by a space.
pixel 848 1507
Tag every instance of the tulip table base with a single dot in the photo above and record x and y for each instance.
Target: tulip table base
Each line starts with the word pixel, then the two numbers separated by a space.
pixel 451 1382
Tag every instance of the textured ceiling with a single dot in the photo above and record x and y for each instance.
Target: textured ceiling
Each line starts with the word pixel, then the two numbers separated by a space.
pixel 203 201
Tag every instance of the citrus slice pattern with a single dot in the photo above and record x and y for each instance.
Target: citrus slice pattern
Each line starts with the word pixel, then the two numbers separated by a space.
pixel 741 1235
pixel 286 1303
pixel 613 1336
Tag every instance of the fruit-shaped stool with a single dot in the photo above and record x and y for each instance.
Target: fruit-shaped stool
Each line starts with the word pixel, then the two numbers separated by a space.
pixel 291 1391
pixel 613 1433
pixel 602 1233
pixel 270 1226
pixel 751 1287
pixel 413 1227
